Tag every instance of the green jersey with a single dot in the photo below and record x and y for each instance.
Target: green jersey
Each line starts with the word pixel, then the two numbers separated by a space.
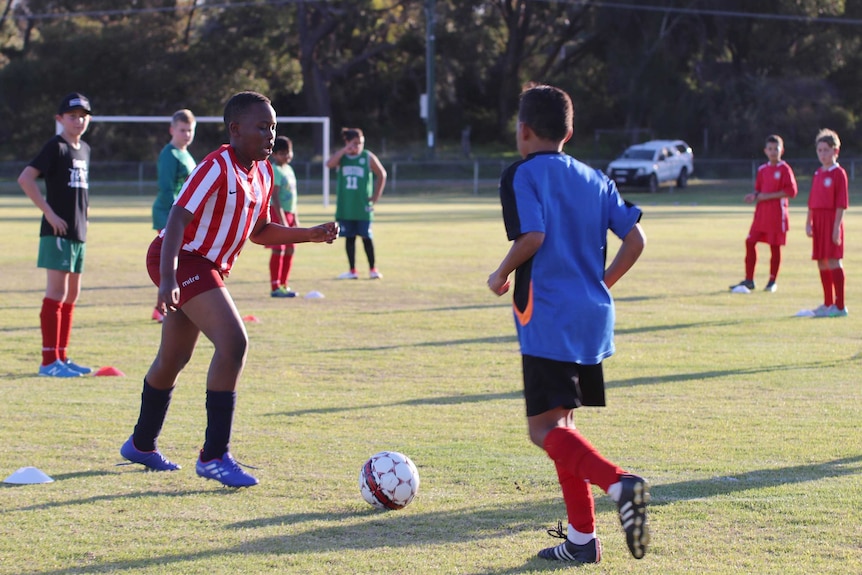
pixel 173 167
pixel 285 186
pixel 355 188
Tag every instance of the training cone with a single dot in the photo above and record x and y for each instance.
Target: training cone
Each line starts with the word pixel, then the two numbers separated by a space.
pixel 27 476
pixel 314 295
pixel 110 370
pixel 251 319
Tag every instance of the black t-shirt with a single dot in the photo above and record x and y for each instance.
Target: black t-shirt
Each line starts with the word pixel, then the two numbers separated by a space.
pixel 66 172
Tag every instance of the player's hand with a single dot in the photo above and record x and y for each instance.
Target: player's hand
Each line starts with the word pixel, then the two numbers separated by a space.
pixel 498 284
pixel 836 237
pixel 750 198
pixel 57 223
pixel 169 296
pixel 324 233
pixel 808 231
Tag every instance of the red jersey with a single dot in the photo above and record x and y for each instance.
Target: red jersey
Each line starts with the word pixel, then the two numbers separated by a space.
pixel 226 201
pixel 771 216
pixel 829 189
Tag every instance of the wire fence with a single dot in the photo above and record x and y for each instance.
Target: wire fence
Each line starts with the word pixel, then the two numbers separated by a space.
pixel 476 176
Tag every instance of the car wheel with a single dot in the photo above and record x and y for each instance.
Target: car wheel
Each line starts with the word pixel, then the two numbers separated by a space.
pixel 653 184
pixel 682 180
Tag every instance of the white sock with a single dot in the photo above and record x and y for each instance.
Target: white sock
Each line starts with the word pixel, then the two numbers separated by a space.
pixel 579 538
pixel 615 491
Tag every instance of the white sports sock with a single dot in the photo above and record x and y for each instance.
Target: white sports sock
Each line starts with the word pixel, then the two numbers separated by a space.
pixel 579 538
pixel 615 491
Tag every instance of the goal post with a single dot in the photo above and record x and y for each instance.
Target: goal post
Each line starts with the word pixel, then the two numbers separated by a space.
pixel 322 120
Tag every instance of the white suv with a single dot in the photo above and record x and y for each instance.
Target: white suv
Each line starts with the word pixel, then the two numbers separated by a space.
pixel 653 163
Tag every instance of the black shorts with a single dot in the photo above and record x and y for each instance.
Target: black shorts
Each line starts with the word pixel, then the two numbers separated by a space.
pixel 549 384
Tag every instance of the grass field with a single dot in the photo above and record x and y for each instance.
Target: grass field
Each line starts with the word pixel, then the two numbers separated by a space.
pixel 745 418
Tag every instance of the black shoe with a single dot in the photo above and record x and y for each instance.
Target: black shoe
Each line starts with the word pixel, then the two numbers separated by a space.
pixel 771 286
pixel 632 510
pixel 744 283
pixel 567 551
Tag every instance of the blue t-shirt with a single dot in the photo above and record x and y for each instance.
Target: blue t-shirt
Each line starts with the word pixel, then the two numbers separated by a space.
pixel 563 310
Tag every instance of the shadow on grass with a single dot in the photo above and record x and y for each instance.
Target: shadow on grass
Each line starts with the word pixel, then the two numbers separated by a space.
pixel 388 531
pixel 119 496
pixel 650 380
pixel 490 340
pixel 424 401
pixel 669 493
pixel 380 530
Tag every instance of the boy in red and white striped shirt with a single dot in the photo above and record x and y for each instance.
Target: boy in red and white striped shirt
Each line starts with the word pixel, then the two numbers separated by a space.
pixel 224 202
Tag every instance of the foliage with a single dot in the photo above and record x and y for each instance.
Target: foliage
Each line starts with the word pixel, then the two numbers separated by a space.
pixel 702 70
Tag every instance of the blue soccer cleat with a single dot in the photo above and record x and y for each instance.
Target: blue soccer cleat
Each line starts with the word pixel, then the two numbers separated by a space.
pixel 152 460
pixel 226 471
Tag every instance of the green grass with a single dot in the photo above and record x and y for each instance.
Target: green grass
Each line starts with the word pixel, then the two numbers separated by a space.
pixel 745 418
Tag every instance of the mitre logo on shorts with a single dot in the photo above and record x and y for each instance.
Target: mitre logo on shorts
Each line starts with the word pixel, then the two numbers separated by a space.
pixel 827 182
pixel 191 280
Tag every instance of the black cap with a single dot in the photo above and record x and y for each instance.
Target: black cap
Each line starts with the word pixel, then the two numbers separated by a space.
pixel 74 101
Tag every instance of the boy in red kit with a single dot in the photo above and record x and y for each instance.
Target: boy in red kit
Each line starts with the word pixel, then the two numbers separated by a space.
pixel 224 202
pixel 557 212
pixel 64 163
pixel 825 225
pixel 282 210
pixel 774 186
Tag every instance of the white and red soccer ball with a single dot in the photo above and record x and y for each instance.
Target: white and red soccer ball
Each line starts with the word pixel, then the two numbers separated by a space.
pixel 389 480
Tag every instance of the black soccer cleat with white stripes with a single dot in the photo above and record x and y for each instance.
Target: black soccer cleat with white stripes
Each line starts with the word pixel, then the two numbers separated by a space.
pixel 569 552
pixel 633 515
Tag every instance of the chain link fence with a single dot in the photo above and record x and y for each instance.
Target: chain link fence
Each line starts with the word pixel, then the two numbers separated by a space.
pixel 470 177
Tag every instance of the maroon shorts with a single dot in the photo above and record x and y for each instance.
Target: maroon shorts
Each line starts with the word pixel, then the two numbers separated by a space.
pixel 823 248
pixel 290 220
pixel 195 274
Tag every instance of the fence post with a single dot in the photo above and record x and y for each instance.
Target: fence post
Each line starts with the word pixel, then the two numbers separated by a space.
pixel 140 177
pixel 394 177
pixel 475 177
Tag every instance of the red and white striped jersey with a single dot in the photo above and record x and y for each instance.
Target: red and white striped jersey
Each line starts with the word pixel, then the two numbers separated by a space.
pixel 226 201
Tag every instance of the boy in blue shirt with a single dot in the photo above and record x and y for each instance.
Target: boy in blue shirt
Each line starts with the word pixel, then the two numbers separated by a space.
pixel 558 211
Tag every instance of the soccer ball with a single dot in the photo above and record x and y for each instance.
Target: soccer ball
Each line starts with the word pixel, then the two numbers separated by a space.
pixel 388 480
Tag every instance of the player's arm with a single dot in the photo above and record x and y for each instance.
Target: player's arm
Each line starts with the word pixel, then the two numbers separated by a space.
pixel 28 183
pixel 166 169
pixel 836 229
pixel 629 252
pixel 275 203
pixel 169 291
pixel 809 229
pixel 523 248
pixel 273 234
pixel 380 176
pixel 335 159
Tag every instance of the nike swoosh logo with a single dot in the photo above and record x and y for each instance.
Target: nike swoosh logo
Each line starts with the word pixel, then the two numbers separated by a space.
pixel 231 191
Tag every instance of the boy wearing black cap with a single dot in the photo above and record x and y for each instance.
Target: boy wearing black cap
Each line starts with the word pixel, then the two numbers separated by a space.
pixel 64 163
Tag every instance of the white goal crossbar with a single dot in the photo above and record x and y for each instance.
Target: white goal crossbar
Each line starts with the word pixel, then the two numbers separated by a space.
pixel 323 120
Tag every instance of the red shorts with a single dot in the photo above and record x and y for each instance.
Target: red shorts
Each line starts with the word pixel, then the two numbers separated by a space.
pixel 290 220
pixel 771 238
pixel 195 274
pixel 823 248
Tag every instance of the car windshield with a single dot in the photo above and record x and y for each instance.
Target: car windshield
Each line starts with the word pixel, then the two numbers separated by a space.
pixel 638 154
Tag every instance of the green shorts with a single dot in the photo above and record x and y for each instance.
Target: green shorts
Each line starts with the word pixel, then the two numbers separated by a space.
pixel 56 253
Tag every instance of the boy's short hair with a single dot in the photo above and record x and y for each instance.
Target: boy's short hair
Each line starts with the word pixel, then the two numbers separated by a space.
pixel 830 137
pixel 350 134
pixel 282 143
pixel 547 111
pixel 184 116
pixel 241 102
pixel 775 139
